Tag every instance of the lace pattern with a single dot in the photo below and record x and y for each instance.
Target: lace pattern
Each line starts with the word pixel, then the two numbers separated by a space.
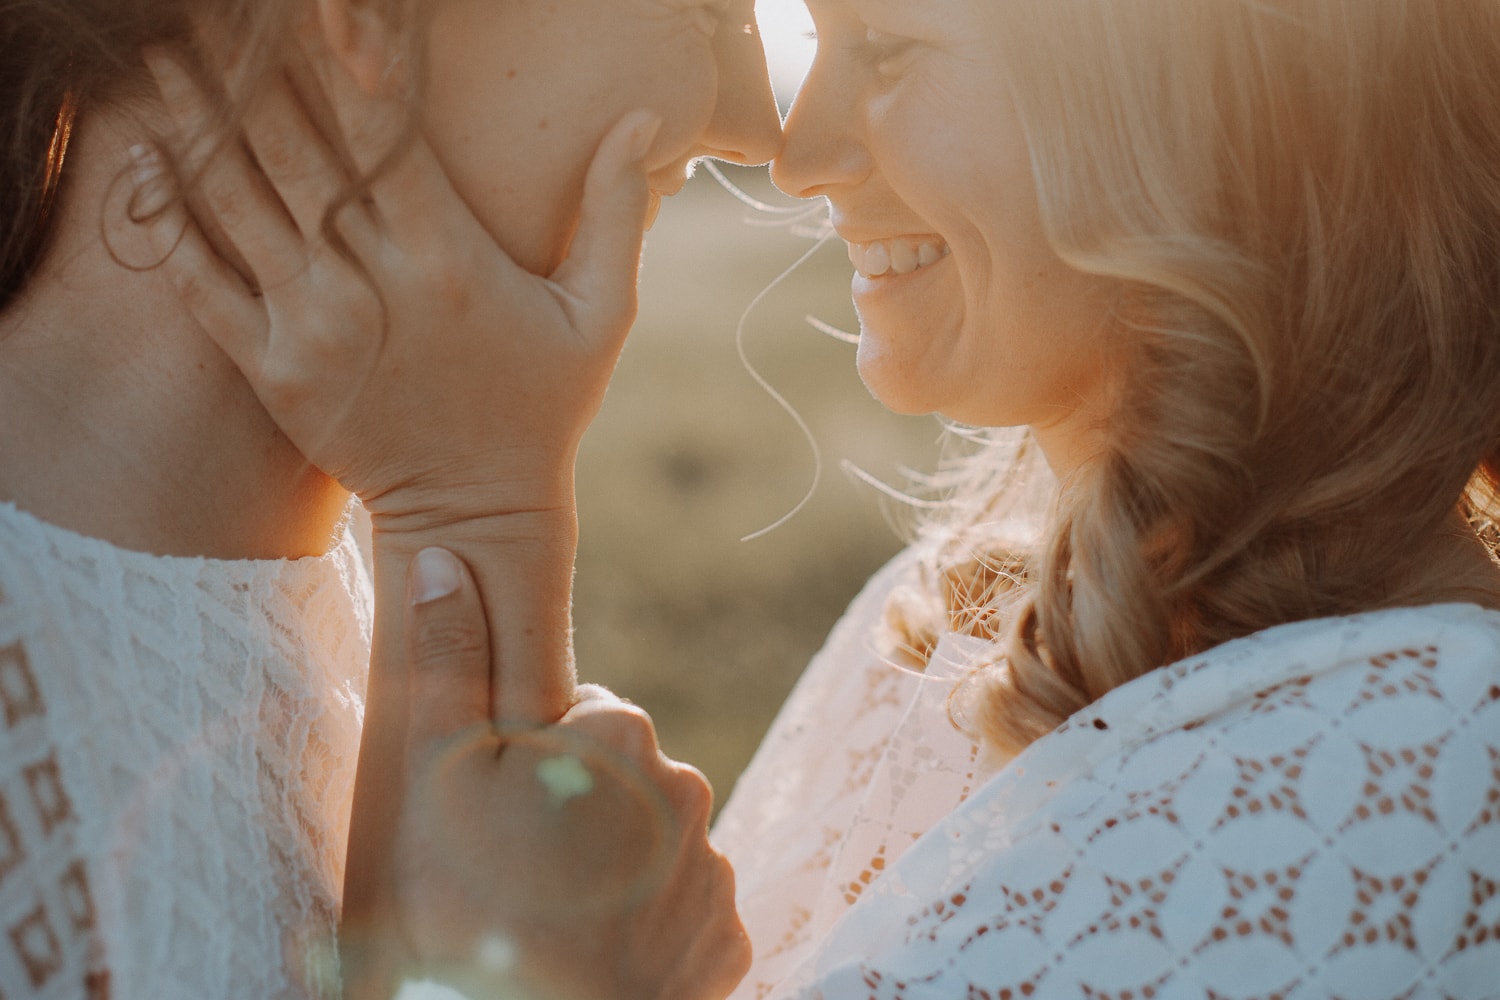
pixel 177 755
pixel 1312 811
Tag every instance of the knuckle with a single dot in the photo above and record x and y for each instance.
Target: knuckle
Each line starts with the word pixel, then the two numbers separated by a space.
pixel 737 951
pixel 332 344
pixel 191 288
pixel 637 730
pixel 279 155
pixel 226 200
pixel 343 290
pixel 362 309
pixel 445 280
pixel 741 956
pixel 280 387
pixel 623 727
pixel 694 797
pixel 445 639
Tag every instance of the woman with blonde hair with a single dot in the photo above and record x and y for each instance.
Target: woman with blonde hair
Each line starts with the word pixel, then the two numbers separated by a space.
pixel 1235 266
pixel 1195 691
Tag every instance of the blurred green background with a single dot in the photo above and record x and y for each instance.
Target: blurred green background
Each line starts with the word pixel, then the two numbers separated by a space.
pixel 674 611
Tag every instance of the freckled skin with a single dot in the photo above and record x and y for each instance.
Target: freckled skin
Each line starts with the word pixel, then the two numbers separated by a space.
pixel 927 140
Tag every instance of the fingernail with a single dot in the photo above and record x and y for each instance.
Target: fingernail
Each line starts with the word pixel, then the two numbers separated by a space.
pixel 644 135
pixel 434 575
pixel 159 63
pixel 146 164
pixel 148 172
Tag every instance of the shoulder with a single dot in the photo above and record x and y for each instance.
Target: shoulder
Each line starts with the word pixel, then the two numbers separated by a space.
pixel 1314 809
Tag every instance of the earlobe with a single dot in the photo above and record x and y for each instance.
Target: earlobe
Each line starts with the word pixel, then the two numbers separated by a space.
pixel 362 41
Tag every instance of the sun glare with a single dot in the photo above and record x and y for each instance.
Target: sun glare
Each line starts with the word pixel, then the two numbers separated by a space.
pixel 786 29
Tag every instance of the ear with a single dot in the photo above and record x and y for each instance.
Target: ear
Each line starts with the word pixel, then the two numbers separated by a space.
pixel 361 40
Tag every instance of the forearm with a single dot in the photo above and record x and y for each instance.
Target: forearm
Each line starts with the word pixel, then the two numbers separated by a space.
pixel 523 564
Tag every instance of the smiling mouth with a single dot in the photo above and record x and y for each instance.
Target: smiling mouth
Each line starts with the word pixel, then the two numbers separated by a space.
pixel 890 258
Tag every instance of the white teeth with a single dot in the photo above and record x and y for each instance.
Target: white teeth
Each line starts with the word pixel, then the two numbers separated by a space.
pixel 897 256
pixel 903 257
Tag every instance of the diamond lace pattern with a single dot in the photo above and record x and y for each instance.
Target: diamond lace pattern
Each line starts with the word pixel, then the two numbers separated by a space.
pixel 1313 811
pixel 177 749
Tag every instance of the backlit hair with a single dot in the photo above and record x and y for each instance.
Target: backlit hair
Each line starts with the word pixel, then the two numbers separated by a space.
pixel 1299 201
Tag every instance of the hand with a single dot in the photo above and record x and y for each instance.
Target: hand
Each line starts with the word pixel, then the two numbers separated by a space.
pixel 567 863
pixel 416 364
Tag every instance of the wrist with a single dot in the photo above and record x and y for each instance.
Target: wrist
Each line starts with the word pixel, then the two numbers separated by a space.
pixel 404 534
pixel 472 502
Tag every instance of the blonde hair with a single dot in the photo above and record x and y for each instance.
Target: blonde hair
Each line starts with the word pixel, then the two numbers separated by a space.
pixel 1300 203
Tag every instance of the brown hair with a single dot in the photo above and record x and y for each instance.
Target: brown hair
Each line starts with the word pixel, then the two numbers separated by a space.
pixel 65 58
pixel 1299 201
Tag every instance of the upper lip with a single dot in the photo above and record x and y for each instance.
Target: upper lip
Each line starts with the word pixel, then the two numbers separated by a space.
pixel 863 240
pixel 862 234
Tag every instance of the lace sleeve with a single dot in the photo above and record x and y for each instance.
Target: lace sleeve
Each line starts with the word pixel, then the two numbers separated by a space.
pixel 177 747
pixel 1311 812
pixel 49 947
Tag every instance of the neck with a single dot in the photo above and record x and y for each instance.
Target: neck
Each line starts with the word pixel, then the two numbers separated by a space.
pixel 123 420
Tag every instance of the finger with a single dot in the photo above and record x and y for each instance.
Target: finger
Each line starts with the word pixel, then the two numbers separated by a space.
pixel 228 187
pixel 600 274
pixel 294 156
pixel 722 956
pixel 212 291
pixel 594 692
pixel 617 725
pixel 448 653
pixel 353 220
pixel 369 127
pixel 692 797
pixel 374 134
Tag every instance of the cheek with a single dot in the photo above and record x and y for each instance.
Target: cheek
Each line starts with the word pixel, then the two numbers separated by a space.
pixel 682 87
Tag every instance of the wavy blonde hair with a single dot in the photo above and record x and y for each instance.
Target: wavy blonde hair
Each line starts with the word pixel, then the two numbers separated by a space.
pixel 1300 203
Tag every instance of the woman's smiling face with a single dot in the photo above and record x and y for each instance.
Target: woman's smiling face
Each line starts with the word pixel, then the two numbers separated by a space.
pixel 519 93
pixel 906 125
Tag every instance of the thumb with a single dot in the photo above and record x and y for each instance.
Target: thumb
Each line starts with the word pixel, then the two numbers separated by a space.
pixel 448 654
pixel 603 264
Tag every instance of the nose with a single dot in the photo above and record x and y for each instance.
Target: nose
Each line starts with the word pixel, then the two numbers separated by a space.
pixel 820 145
pixel 745 127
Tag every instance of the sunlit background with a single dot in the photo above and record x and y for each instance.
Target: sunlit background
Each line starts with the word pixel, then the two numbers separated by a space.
pixel 787 31
pixel 690 454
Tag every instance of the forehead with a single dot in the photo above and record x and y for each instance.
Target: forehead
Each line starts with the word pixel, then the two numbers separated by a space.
pixel 931 14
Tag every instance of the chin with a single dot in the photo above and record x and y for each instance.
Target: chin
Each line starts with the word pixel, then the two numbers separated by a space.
pixel 892 384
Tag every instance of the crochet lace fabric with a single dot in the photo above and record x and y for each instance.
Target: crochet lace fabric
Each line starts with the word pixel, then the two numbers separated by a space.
pixel 177 749
pixel 1312 811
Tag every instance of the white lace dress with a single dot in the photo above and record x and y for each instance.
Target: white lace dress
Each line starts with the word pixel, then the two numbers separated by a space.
pixel 177 749
pixel 1312 811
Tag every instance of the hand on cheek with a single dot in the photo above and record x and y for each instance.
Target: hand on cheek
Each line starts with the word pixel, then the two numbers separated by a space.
pixel 416 364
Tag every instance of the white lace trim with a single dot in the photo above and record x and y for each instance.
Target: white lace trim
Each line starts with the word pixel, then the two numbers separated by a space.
pixel 177 755
pixel 1307 812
